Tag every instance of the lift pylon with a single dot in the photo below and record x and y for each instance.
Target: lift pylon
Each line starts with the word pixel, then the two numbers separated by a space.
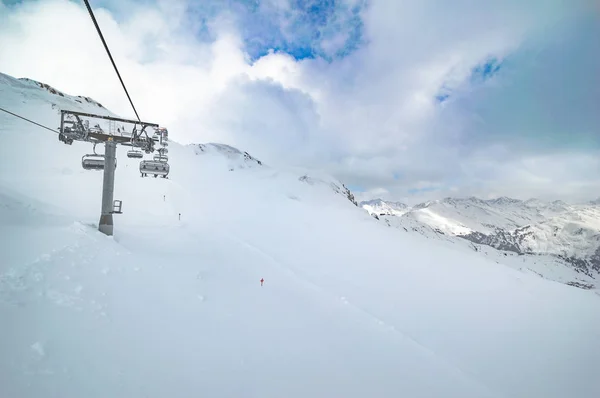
pixel 76 126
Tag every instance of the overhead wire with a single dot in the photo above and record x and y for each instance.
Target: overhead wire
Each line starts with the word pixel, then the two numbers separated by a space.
pixel 87 4
pixel 111 60
pixel 30 121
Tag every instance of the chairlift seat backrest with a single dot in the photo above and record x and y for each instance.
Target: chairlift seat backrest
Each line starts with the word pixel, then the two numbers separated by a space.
pixel 92 162
pixel 154 167
pixel 135 154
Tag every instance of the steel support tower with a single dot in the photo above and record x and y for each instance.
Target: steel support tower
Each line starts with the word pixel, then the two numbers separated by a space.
pixel 75 126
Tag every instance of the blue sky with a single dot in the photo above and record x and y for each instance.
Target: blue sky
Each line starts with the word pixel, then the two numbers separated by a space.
pixel 410 100
pixel 299 30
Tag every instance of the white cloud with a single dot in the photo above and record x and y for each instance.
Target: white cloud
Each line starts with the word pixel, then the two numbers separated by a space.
pixel 370 118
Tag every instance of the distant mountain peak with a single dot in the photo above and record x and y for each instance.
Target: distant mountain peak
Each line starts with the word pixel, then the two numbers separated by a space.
pixel 504 200
pixel 425 205
pixel 533 201
pixel 567 233
pixel 382 207
pixel 454 201
pixel 379 201
pixel 372 202
pixel 559 204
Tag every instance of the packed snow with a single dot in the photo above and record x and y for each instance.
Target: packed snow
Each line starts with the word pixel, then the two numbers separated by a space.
pixel 172 305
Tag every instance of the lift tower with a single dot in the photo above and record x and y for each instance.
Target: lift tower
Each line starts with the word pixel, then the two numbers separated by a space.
pixel 75 126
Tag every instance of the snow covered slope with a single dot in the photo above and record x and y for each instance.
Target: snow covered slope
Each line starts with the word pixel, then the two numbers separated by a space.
pixel 171 307
pixel 566 235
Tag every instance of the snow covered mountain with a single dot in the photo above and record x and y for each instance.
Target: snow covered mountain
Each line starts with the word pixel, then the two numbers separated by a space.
pixel 170 307
pixel 31 93
pixel 568 234
pixel 236 159
pixel 380 207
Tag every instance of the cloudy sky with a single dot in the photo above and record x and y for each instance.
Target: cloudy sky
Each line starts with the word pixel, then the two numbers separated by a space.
pixel 401 99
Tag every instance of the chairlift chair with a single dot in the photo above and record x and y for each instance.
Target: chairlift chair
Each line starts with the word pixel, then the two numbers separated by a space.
pixel 92 162
pixel 134 154
pixel 160 158
pixel 155 168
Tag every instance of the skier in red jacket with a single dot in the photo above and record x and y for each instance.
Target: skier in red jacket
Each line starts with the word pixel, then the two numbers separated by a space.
pixel 261 281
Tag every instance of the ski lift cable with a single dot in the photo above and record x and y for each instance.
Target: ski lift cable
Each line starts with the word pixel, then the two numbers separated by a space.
pixel 87 4
pixel 30 121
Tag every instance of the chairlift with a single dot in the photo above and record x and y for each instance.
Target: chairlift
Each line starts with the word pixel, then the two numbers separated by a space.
pixel 92 161
pixel 135 154
pixel 142 144
pixel 155 168
pixel 160 158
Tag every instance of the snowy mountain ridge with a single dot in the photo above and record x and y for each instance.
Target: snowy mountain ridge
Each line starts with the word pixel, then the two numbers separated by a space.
pixel 238 160
pixel 571 233
pixel 381 207
pixel 32 89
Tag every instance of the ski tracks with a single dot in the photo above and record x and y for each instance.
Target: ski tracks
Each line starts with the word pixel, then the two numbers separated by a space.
pixel 49 274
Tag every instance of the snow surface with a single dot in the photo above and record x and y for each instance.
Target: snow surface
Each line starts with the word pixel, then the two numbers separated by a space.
pixel 349 308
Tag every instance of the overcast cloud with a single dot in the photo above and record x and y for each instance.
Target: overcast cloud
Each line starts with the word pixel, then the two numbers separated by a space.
pixel 404 100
